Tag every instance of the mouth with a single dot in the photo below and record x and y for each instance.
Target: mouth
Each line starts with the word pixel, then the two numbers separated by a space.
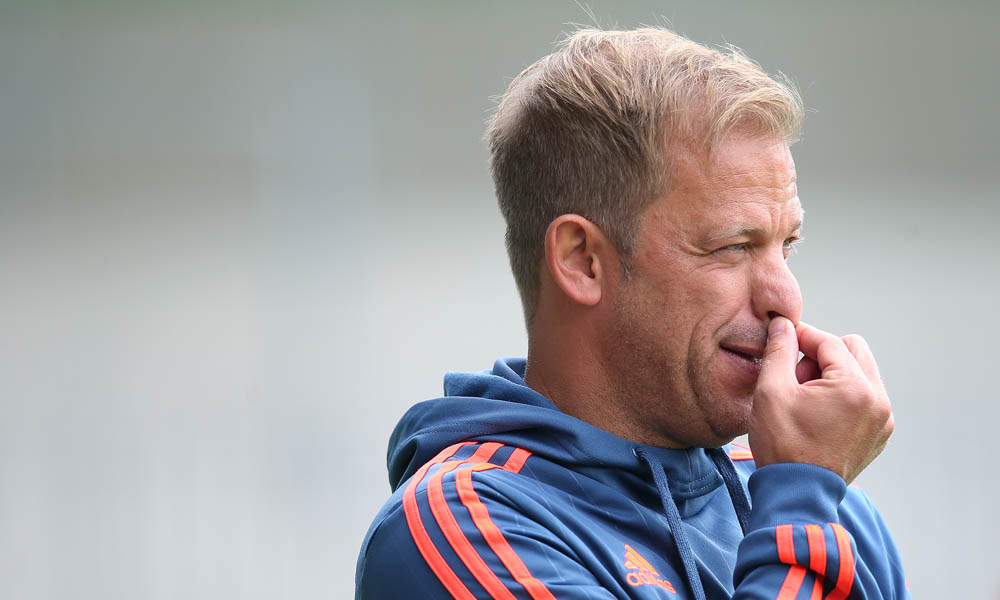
pixel 746 353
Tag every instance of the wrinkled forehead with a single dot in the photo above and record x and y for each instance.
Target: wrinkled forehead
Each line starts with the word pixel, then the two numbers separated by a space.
pixel 752 162
pixel 739 160
pixel 747 183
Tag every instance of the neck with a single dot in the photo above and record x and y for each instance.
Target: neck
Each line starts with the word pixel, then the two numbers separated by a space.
pixel 566 366
pixel 561 367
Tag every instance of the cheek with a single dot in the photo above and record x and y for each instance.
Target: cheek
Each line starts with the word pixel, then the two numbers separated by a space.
pixel 718 300
pixel 721 290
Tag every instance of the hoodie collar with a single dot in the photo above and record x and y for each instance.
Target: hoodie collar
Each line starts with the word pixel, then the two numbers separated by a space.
pixel 497 405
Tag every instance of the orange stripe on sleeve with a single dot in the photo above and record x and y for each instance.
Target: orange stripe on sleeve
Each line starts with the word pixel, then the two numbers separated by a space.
pixel 817 593
pixel 427 549
pixel 786 544
pixel 515 462
pixel 793 581
pixel 845 575
pixel 453 531
pixel 492 534
pixel 817 549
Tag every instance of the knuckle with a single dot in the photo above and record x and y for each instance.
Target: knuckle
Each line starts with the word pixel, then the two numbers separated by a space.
pixel 829 338
pixel 856 344
pixel 861 392
pixel 883 412
pixel 854 338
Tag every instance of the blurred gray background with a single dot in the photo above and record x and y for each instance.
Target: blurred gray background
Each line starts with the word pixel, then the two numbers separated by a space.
pixel 239 239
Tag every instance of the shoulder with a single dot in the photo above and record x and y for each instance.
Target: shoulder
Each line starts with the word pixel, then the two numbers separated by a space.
pixel 456 527
pixel 457 476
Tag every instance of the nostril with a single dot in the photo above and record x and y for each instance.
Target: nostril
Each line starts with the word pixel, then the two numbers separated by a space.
pixel 772 314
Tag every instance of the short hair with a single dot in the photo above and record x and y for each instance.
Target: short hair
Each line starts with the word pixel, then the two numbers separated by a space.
pixel 589 129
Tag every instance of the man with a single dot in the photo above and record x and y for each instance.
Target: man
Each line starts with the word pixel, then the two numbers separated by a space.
pixel 651 204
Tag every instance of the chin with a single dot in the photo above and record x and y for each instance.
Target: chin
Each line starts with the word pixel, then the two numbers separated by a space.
pixel 730 420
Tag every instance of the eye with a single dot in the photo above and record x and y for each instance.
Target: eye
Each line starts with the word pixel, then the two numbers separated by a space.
pixel 735 247
pixel 788 246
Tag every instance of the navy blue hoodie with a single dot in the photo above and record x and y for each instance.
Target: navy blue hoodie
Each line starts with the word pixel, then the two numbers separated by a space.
pixel 498 494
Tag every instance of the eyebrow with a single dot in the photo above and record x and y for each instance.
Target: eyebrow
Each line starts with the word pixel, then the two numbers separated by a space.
pixel 750 232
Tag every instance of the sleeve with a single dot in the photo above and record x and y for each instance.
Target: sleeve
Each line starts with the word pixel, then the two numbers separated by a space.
pixel 802 543
pixel 452 535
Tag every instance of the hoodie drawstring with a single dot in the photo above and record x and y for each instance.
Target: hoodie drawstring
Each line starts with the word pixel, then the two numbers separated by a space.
pixel 674 520
pixel 736 492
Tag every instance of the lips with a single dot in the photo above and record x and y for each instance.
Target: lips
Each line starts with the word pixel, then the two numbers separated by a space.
pixel 751 353
pixel 741 366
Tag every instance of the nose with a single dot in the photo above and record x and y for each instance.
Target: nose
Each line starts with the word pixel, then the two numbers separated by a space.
pixel 775 290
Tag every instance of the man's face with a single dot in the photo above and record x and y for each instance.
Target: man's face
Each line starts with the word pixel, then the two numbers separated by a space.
pixel 708 273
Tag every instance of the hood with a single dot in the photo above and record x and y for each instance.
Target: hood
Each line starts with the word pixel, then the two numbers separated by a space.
pixel 497 405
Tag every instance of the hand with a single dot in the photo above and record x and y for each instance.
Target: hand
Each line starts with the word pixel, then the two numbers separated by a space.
pixel 830 409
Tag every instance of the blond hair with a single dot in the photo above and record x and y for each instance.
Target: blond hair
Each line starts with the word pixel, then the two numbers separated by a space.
pixel 589 130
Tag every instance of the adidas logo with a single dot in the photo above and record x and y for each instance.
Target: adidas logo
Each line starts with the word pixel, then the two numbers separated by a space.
pixel 643 573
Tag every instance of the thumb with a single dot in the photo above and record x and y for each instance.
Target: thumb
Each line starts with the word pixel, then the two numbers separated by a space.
pixel 780 355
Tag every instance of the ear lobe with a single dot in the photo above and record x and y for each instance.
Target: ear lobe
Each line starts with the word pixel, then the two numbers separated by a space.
pixel 574 248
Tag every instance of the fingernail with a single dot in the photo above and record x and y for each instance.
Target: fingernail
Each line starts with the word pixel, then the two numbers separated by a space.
pixel 776 327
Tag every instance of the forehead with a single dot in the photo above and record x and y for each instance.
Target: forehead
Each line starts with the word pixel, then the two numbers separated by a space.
pixel 743 175
pixel 739 161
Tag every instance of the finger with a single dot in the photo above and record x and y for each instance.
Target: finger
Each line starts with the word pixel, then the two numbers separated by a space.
pixel 807 370
pixel 828 350
pixel 777 368
pixel 862 353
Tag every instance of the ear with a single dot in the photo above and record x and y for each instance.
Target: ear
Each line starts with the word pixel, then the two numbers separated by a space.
pixel 576 256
